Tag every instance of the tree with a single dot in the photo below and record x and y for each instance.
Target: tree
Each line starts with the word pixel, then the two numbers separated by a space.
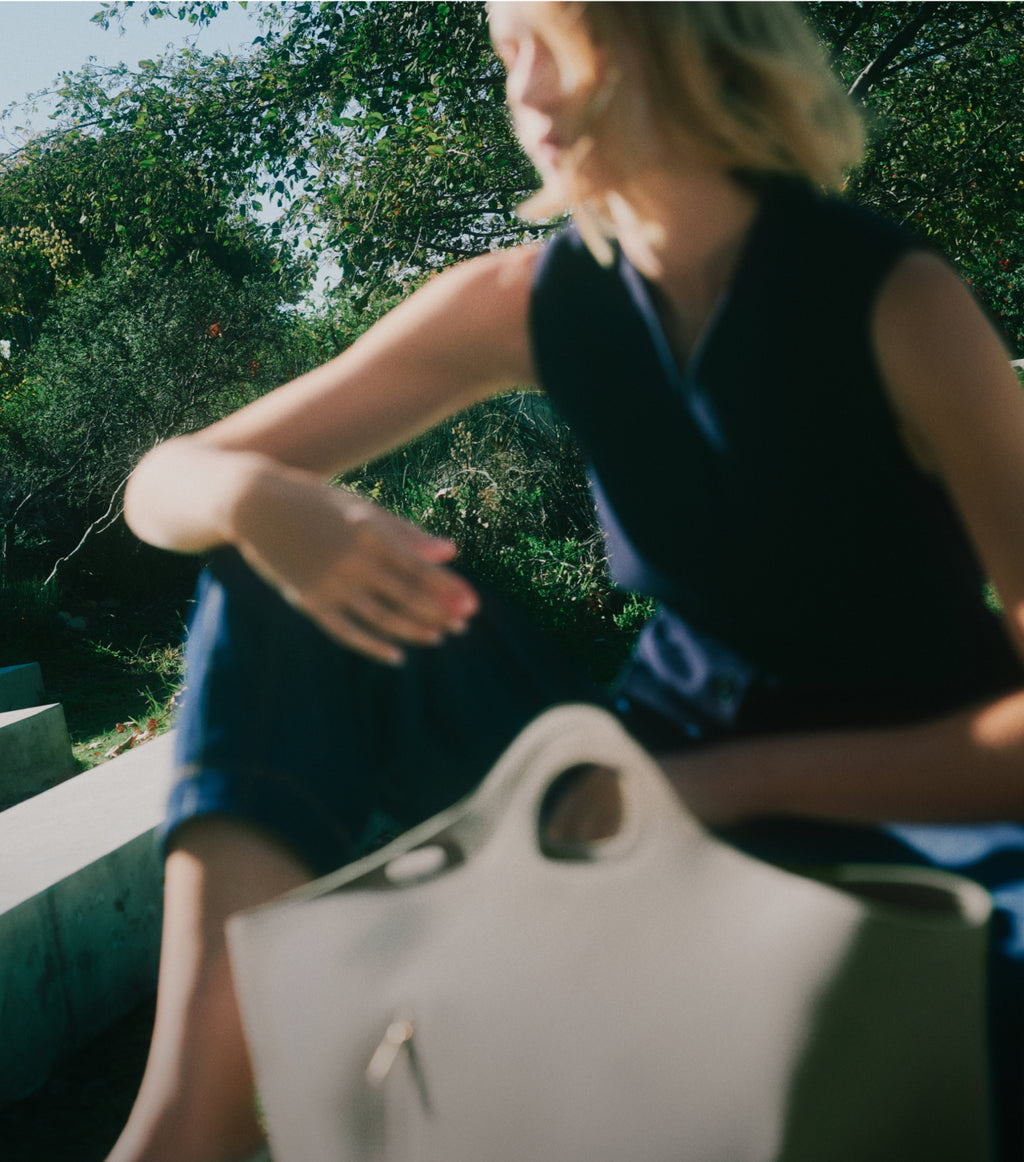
pixel 118 254
pixel 69 200
pixel 126 358
pixel 944 87
pixel 136 302
pixel 383 123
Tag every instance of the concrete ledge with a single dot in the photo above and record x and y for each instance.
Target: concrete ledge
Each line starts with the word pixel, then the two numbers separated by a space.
pixel 35 752
pixel 21 687
pixel 80 910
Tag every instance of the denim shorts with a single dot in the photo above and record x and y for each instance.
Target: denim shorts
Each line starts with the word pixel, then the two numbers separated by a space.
pixel 285 729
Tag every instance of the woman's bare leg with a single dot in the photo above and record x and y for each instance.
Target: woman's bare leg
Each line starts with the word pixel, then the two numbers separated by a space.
pixel 196 1099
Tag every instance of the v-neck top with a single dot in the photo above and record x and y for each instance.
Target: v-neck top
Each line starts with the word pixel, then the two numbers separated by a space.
pixel 761 491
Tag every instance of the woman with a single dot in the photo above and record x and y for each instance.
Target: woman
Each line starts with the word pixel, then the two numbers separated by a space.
pixel 820 418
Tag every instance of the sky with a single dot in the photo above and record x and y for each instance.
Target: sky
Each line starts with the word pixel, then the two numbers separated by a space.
pixel 39 39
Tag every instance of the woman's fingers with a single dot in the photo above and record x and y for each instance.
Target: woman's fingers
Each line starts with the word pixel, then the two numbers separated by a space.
pixel 433 598
pixel 373 625
pixel 393 575
pixel 369 579
pixel 383 596
pixel 348 632
pixel 394 622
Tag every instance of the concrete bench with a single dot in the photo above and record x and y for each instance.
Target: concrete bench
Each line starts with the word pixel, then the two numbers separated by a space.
pixel 80 910
pixel 35 752
pixel 21 686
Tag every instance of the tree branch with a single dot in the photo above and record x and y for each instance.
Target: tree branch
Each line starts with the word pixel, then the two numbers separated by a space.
pixel 861 13
pixel 944 48
pixel 873 72
pixel 106 520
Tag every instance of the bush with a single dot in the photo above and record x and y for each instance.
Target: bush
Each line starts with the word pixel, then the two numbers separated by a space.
pixel 126 359
pixel 506 483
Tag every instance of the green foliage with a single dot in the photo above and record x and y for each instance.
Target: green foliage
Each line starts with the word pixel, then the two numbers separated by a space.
pixel 317 334
pixel 944 87
pixel 135 303
pixel 432 169
pixel 506 483
pixel 127 358
pixel 384 125
pixel 70 200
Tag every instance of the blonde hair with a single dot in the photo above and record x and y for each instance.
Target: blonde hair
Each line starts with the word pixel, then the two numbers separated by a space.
pixel 744 84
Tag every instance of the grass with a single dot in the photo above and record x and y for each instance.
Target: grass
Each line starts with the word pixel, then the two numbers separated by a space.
pixel 114 668
pixel 134 699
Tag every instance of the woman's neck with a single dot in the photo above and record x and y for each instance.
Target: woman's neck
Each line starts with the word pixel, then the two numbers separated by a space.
pixel 685 235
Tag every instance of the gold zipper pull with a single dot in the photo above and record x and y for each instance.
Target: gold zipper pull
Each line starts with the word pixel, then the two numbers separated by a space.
pixel 396 1037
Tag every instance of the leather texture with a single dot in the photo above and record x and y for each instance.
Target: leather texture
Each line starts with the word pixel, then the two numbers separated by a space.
pixel 470 992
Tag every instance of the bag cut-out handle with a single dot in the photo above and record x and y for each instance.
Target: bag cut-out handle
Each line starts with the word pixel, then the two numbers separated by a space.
pixel 584 807
pixel 518 796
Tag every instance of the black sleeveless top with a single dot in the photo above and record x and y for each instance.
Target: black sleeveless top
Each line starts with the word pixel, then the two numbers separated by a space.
pixel 810 573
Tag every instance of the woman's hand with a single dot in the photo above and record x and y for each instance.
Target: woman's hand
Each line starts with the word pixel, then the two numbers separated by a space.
pixel 368 579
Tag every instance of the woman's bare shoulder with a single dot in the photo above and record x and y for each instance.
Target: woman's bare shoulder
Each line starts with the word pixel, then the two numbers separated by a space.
pixel 483 304
pixel 939 355
pixel 949 377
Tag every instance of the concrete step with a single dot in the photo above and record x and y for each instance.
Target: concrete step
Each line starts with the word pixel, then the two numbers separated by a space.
pixel 80 910
pixel 21 687
pixel 35 752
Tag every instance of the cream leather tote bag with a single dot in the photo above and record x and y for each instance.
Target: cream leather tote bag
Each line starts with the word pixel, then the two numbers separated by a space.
pixel 469 995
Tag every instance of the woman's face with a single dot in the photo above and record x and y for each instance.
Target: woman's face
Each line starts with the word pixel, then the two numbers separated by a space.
pixel 581 113
pixel 546 82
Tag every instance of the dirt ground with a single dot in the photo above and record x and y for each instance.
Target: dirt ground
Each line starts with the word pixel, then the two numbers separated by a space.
pixel 77 1115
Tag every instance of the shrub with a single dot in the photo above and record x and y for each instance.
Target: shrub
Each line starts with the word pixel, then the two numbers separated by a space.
pixel 126 359
pixel 506 482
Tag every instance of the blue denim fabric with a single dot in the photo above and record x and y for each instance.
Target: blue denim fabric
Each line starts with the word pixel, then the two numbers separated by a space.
pixel 284 728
